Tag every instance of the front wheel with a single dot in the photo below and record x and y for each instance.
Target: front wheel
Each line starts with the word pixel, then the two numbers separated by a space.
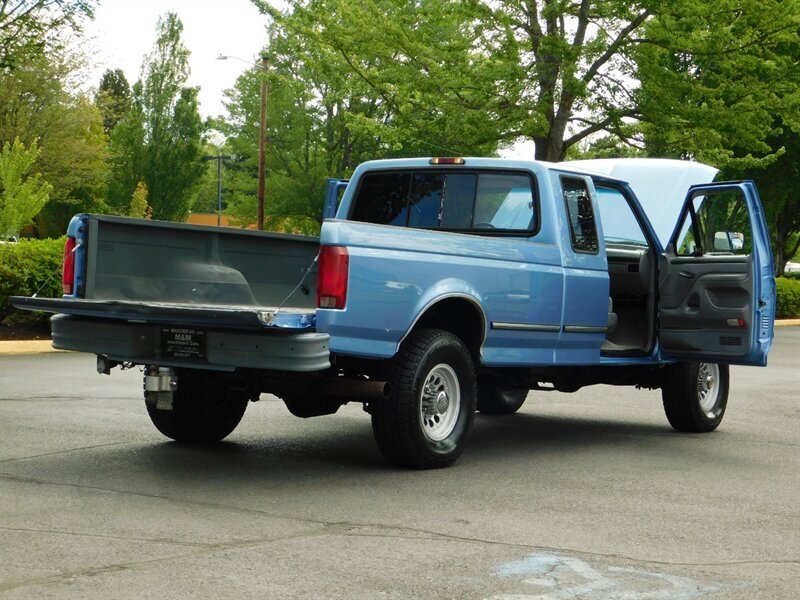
pixel 695 395
pixel 203 411
pixel 426 419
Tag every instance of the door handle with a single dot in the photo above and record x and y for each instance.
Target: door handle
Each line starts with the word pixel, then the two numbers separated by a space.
pixel 686 274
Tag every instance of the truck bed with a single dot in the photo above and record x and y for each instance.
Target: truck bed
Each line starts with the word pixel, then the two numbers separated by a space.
pixel 234 295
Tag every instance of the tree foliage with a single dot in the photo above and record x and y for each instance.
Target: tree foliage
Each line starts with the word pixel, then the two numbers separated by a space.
pixel 720 80
pixel 22 193
pixel 778 183
pixel 138 207
pixel 160 140
pixel 552 71
pixel 29 27
pixel 38 104
pixel 113 98
pixel 561 72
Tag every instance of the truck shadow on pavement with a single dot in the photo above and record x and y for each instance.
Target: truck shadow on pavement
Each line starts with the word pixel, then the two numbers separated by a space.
pixel 310 452
pixel 325 450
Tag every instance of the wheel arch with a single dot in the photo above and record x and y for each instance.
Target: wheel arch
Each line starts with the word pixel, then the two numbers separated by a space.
pixel 458 313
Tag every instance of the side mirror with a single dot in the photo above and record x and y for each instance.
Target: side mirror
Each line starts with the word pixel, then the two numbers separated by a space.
pixel 728 241
pixel 333 192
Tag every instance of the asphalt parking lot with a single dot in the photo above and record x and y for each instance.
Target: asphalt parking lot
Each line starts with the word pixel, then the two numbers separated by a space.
pixel 586 495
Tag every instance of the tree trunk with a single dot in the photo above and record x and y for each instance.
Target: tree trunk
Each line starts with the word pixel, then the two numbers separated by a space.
pixel 550 148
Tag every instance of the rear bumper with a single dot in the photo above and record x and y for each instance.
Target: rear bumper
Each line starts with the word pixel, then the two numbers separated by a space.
pixel 226 350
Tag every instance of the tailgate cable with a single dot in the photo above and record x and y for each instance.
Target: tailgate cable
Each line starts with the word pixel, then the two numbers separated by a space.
pixel 299 283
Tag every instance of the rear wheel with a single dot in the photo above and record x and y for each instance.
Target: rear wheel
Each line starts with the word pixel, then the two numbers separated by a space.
pixel 425 421
pixel 695 395
pixel 203 411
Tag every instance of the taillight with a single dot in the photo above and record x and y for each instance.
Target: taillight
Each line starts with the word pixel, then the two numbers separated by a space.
pixel 334 264
pixel 68 273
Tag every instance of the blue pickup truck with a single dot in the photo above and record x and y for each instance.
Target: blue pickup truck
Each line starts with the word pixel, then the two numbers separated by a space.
pixel 441 287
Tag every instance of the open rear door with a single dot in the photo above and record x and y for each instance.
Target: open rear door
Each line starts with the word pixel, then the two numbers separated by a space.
pixel 717 279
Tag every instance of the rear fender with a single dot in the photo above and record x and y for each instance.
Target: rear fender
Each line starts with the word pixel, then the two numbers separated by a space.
pixel 451 292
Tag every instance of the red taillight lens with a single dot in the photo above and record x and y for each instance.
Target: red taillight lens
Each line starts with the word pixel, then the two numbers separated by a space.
pixel 68 273
pixel 334 264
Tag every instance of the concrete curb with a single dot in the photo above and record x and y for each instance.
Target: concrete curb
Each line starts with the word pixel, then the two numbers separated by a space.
pixel 27 347
pixel 43 346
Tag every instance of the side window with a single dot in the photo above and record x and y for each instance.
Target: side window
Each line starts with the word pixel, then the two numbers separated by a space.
pixel 454 201
pixel 619 223
pixel 582 228
pixel 716 223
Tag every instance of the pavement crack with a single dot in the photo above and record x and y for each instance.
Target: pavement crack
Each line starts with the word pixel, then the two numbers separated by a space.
pixel 201 549
pixel 388 531
pixel 122 538
pixel 67 451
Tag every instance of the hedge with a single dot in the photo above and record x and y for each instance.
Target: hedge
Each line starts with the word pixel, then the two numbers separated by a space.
pixel 30 267
pixel 788 298
pixel 34 267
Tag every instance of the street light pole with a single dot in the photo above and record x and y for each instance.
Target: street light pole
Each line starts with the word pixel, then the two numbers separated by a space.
pixel 219 158
pixel 262 141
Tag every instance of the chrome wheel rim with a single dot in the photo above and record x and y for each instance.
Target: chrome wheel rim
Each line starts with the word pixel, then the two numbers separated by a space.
pixel 440 403
pixel 708 387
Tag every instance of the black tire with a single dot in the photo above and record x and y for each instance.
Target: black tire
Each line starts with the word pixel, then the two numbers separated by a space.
pixel 425 421
pixel 496 398
pixel 203 411
pixel 695 396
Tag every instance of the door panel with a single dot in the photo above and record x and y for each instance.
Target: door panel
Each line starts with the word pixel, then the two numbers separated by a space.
pixel 716 279
pixel 706 305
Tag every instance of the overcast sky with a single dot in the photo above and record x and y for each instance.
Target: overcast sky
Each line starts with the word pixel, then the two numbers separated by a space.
pixel 123 31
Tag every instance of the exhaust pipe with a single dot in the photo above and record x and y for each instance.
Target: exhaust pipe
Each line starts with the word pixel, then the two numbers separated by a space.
pixel 353 389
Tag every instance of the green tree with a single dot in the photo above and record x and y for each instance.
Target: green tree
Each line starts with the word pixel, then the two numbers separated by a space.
pixel 30 28
pixel 719 80
pixel 483 73
pixel 160 141
pixel 22 194
pixel 37 104
pixel 778 183
pixel 113 98
pixel 138 207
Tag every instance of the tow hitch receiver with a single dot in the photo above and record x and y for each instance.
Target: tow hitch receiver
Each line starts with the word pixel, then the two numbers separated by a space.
pixel 159 384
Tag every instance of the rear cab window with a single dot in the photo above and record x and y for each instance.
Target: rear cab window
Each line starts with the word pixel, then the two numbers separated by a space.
pixel 487 202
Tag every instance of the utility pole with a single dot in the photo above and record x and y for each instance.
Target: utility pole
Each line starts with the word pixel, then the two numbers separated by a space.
pixel 262 131
pixel 262 141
